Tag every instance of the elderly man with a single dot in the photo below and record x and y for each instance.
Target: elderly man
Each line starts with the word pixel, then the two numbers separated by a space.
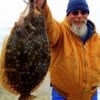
pixel 75 49
pixel 75 45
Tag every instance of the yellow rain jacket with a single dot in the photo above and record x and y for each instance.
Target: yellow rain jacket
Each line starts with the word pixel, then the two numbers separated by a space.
pixel 75 67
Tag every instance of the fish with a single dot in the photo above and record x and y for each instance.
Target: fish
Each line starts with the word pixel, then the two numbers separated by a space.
pixel 27 56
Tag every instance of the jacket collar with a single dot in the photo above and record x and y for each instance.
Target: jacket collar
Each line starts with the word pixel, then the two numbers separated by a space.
pixel 91 29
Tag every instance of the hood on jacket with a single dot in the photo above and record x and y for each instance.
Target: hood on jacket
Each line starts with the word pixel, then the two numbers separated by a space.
pixel 90 32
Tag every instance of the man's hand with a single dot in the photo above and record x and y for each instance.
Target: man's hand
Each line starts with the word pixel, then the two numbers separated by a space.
pixel 40 3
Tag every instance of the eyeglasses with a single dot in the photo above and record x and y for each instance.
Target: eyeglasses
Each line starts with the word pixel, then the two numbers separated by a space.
pixel 83 12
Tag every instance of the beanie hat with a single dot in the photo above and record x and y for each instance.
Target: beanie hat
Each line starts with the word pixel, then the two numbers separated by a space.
pixel 77 5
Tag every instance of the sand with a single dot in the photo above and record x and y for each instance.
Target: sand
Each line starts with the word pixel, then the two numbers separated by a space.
pixel 42 93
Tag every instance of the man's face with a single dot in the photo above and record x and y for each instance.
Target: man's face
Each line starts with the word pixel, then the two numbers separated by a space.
pixel 78 19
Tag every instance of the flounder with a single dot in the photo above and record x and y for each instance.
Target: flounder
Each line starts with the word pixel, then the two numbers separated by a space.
pixel 26 56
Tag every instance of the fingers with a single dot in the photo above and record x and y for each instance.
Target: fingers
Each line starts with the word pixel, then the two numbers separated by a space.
pixel 40 3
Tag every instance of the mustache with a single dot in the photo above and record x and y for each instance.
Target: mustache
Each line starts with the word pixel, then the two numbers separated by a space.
pixel 80 20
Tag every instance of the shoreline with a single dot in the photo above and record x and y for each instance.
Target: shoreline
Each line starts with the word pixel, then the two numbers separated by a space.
pixel 43 92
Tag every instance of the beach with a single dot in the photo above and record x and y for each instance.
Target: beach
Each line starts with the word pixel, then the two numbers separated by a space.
pixel 42 93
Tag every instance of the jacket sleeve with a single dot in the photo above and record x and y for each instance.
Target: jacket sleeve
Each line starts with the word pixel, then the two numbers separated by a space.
pixel 52 26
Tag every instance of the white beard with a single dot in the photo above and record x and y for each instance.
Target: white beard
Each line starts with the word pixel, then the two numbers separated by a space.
pixel 80 31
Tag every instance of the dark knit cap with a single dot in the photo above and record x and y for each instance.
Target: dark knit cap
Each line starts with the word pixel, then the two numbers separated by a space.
pixel 77 5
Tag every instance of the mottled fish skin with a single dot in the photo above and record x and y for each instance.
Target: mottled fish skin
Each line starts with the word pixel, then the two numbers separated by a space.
pixel 27 56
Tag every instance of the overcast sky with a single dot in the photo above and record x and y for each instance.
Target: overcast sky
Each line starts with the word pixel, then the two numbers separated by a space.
pixel 11 9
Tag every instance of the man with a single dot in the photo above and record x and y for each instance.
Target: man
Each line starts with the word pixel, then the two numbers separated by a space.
pixel 75 45
pixel 75 64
